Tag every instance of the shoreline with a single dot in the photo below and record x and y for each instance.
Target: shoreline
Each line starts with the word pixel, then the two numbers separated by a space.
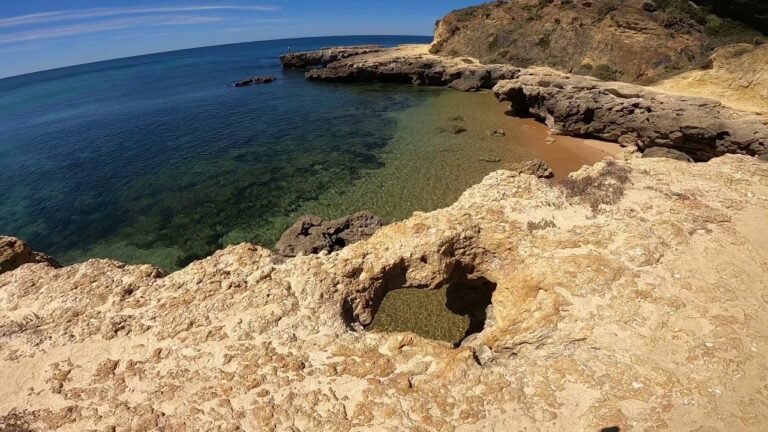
pixel 574 105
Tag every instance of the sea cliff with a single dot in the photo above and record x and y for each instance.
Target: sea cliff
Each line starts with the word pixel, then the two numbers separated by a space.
pixel 631 297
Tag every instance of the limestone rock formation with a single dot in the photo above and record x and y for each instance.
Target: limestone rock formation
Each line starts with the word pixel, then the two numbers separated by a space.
pixel 322 57
pixel 627 40
pixel 412 64
pixel 640 304
pixel 581 106
pixel 311 235
pixel 14 253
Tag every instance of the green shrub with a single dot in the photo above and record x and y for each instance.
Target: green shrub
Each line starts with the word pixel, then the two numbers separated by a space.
pixel 605 7
pixel 604 72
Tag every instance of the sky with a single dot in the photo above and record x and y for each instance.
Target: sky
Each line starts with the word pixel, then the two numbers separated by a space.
pixel 45 34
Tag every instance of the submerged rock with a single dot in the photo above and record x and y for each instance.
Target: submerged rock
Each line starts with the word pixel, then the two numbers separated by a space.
pixel 14 253
pixel 311 235
pixel 536 167
pixel 490 159
pixel 498 133
pixel 254 80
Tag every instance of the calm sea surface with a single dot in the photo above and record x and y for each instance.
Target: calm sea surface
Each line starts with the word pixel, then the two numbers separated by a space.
pixel 155 159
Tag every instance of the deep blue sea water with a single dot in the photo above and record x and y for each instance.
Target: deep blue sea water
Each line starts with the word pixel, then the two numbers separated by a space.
pixel 156 159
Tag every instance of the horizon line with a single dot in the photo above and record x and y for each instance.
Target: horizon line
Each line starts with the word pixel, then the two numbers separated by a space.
pixel 206 46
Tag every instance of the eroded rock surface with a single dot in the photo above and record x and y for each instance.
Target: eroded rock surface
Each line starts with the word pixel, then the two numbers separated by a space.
pixel 14 253
pixel 634 115
pixel 537 168
pixel 641 305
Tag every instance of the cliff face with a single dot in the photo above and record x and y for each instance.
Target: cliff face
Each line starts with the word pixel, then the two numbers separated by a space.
pixel 627 40
pixel 633 296
pixel 737 75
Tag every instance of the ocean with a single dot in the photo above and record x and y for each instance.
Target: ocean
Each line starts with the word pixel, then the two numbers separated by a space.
pixel 157 159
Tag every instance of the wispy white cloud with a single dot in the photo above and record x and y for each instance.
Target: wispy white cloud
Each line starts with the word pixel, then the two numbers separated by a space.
pixel 102 26
pixel 80 14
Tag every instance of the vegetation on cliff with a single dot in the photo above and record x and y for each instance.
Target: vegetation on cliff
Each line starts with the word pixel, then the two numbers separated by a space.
pixel 627 40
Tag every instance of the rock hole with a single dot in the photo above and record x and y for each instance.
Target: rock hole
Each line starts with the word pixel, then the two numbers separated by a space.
pixel 452 313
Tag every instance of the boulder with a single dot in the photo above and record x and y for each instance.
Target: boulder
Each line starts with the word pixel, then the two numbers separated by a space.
pixel 466 85
pixel 535 167
pixel 663 152
pixel 14 253
pixel 311 235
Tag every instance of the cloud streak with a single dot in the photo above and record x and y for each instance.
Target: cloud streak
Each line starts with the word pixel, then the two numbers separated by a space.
pixel 81 14
pixel 102 26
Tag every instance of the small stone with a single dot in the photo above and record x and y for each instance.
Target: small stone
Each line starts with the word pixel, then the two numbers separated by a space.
pixel 498 133
pixel 457 130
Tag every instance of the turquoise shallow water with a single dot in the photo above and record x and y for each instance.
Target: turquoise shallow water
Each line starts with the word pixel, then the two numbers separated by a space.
pixel 156 159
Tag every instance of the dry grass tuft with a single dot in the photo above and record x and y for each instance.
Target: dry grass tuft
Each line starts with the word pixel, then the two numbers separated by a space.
pixel 604 188
pixel 540 225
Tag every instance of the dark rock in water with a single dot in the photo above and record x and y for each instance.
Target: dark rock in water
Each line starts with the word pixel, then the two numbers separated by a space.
pixel 322 57
pixel 311 235
pixel 457 130
pixel 536 167
pixel 456 118
pixel 663 152
pixel 466 85
pixel 498 133
pixel 490 159
pixel 14 253
pixel 254 80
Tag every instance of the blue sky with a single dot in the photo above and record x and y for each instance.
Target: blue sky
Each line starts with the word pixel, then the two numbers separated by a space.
pixel 45 34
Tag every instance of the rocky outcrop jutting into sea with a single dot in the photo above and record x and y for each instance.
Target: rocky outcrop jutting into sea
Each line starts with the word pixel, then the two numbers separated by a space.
pixel 633 115
pixel 631 298
pixel 322 57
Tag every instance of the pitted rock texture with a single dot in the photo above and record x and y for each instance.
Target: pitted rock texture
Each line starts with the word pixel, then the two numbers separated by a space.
pixel 645 313
pixel 634 115
pixel 537 168
pixel 306 59
pixel 14 253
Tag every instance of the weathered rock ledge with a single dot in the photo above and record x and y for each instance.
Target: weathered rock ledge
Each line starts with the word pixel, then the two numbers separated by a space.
pixel 323 57
pixel 632 297
pixel 571 104
pixel 633 115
